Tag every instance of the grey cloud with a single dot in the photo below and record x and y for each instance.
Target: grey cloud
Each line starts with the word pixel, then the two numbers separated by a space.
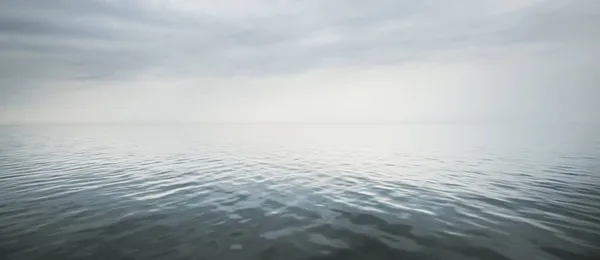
pixel 118 39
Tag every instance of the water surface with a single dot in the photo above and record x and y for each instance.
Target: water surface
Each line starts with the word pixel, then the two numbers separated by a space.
pixel 299 192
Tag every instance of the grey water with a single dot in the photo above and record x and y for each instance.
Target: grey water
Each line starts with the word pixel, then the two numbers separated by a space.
pixel 420 191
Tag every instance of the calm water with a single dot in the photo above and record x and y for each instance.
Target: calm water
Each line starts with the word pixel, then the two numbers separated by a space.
pixel 299 192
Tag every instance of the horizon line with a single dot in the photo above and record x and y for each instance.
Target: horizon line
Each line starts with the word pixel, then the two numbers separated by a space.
pixel 180 123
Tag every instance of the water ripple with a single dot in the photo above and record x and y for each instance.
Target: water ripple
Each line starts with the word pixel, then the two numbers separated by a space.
pixel 223 193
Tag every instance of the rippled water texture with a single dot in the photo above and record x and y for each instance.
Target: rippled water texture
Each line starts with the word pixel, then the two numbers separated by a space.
pixel 299 192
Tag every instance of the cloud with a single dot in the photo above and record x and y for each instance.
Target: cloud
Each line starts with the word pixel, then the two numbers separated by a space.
pixel 105 38
pixel 62 42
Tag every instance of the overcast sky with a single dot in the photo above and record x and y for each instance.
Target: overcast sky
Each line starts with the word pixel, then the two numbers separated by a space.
pixel 299 61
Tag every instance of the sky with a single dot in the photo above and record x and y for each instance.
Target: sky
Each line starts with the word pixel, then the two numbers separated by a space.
pixel 322 61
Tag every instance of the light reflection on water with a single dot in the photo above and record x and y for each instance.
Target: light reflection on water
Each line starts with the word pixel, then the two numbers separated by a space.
pixel 298 192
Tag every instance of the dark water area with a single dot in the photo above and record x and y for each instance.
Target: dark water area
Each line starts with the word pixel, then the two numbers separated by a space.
pixel 299 192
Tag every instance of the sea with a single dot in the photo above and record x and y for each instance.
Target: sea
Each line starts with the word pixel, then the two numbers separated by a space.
pixel 300 191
